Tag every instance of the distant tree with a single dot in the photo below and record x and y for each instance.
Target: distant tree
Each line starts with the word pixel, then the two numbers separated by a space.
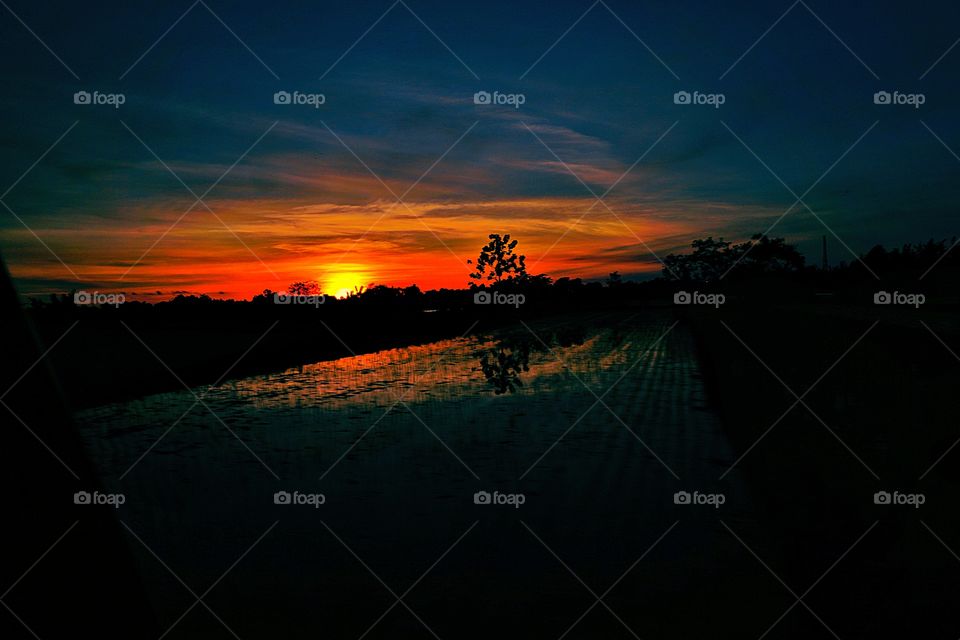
pixel 498 262
pixel 304 288
pixel 767 255
pixel 712 259
pixel 378 294
pixel 263 298
pixel 708 262
pixel 913 258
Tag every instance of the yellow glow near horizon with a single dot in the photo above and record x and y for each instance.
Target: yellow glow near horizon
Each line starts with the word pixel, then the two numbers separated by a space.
pixel 284 244
pixel 343 283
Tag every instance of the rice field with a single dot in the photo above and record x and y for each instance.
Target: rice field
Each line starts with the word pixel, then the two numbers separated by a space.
pixel 605 418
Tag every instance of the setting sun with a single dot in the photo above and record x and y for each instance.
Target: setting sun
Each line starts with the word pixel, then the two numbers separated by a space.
pixel 342 283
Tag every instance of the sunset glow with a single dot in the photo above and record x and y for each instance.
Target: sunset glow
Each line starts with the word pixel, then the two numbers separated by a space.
pixel 398 176
pixel 343 247
pixel 342 282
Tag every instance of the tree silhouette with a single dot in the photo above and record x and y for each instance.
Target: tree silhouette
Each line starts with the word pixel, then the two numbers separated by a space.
pixel 498 262
pixel 304 288
pixel 713 259
pixel 708 262
pixel 768 255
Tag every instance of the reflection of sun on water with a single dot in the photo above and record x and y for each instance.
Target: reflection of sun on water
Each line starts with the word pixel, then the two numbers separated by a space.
pixel 343 283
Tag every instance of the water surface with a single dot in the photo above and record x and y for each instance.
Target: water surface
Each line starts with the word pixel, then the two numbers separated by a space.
pixel 609 420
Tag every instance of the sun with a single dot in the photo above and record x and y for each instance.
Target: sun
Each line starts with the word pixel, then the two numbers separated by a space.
pixel 343 283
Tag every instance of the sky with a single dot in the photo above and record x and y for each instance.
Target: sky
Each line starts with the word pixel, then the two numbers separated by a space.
pixel 200 183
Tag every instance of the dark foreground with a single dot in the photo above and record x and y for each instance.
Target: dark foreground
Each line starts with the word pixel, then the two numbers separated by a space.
pixel 597 549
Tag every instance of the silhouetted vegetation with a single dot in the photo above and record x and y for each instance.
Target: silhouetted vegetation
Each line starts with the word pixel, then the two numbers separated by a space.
pixel 498 261
pixel 203 335
pixel 304 288
pixel 502 365
pixel 712 259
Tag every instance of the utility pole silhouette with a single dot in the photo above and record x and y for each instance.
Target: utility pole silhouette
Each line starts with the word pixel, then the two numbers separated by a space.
pixel 824 265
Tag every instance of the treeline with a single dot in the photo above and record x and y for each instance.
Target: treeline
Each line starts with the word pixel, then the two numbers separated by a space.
pixel 538 291
pixel 769 264
pixel 714 260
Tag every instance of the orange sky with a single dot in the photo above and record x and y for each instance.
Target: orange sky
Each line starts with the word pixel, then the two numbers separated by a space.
pixel 305 206
pixel 285 217
pixel 270 244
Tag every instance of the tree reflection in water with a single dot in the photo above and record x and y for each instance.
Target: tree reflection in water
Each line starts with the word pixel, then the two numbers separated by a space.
pixel 503 363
